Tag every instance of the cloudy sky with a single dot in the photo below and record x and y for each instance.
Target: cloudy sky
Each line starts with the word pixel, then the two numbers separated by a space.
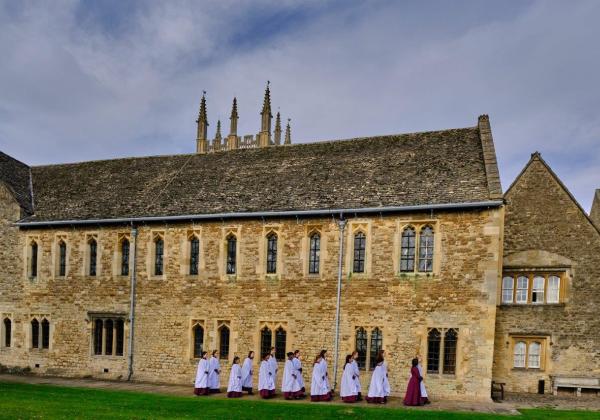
pixel 83 80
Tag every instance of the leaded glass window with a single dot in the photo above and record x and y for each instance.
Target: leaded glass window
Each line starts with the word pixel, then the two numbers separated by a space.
pixel 359 252
pixel 537 291
pixel 508 284
pixel 272 253
pixel 158 256
pixel 198 340
pixel 125 257
pixel 376 345
pixel 120 335
pixel 361 347
pixel 280 342
pixel 407 250
pixel 231 254
pixel 314 254
pixel 45 334
pixel 194 255
pixel 98 329
pixel 426 249
pixel 450 339
pixel 108 326
pixel 35 334
pixel 433 351
pixel 534 355
pixel 7 332
pixel 522 289
pixel 62 258
pixel 34 259
pixel 519 354
pixel 93 248
pixel 553 289
pixel 266 338
pixel 224 342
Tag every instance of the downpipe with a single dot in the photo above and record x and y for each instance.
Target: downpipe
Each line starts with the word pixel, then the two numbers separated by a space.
pixel 342 226
pixel 134 233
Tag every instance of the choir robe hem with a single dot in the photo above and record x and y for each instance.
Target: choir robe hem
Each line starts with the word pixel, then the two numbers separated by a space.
pixel 377 400
pixel 350 399
pixel 234 394
pixel 324 397
pixel 214 390
pixel 293 395
pixel 200 391
pixel 267 393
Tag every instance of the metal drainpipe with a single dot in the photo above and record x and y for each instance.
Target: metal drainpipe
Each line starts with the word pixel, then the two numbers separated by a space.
pixel 342 226
pixel 134 233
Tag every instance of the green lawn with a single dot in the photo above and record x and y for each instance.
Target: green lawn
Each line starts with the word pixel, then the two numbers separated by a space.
pixel 46 401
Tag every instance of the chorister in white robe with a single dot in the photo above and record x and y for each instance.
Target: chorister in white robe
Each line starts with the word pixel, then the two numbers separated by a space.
pixel 298 367
pixel 350 387
pixel 247 374
pixel 274 367
pixel 266 381
pixel 214 378
pixel 290 385
pixel 422 383
pixel 379 389
pixel 234 389
pixel 357 374
pixel 201 383
pixel 319 388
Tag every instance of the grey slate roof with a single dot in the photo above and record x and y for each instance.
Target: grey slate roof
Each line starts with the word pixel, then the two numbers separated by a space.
pixel 15 175
pixel 398 170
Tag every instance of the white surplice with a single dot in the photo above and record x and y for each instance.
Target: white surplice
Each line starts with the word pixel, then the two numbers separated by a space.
pixel 422 383
pixel 380 386
pixel 298 367
pixel 290 378
pixel 349 386
pixel 357 374
pixel 320 382
pixel 247 373
pixel 235 379
pixel 202 374
pixel 214 380
pixel 265 377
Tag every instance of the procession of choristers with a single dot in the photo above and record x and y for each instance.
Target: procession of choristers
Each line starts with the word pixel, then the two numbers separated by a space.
pixel 241 378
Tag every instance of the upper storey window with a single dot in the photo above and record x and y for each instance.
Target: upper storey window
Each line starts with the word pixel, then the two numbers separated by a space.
pixel 93 254
pixel 62 258
pixel 417 249
pixel 33 259
pixel 407 250
pixel 532 288
pixel 125 257
pixel 159 249
pixel 272 253
pixel 314 253
pixel 231 254
pixel 426 249
pixel 360 246
pixel 194 255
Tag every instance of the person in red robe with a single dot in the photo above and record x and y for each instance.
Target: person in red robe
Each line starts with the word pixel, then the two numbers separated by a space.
pixel 413 392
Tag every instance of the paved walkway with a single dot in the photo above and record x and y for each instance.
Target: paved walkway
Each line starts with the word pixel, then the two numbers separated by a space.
pixel 181 390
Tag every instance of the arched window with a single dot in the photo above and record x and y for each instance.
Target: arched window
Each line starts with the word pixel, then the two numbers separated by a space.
pixel 314 253
pixel 35 334
pixel 125 257
pixel 272 253
pixel 98 328
pixel 194 255
pixel 508 283
pixel 522 289
pixel 224 342
pixel 108 326
pixel 534 355
pixel 433 351
pixel 34 259
pixel 537 291
pixel 7 332
pixel 45 334
pixel 198 340
pixel 426 249
pixel 231 254
pixel 280 343
pixel 376 345
pixel 359 252
pixel 519 354
pixel 120 330
pixel 407 250
pixel 266 338
pixel 361 347
pixel 450 339
pixel 62 258
pixel 553 289
pixel 159 249
pixel 93 247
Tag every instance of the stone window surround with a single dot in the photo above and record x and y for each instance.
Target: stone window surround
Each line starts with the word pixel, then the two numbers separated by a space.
pixel 30 239
pixel 418 225
pixel 261 270
pixel 186 246
pixel 369 331
pixel 273 326
pixel 355 226
pixel 458 355
pixel 58 237
pixel 86 254
pixel 3 316
pixel 226 231
pixel 151 255
pixel 40 317
pixel 121 236
pixel 224 324
pixel 104 316
pixel 193 322
pixel 309 230
pixel 528 339
pixel 515 273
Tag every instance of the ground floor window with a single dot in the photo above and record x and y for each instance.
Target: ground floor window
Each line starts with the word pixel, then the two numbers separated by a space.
pixel 40 333
pixel 441 350
pixel 368 342
pixel 6 332
pixel 108 335
pixel 528 352
pixel 274 336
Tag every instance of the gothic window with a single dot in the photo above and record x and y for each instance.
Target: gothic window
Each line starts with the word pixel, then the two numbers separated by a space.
pixel 34 259
pixel 507 289
pixel 376 345
pixel 62 258
pixel 314 253
pixel 45 334
pixel 98 329
pixel 280 342
pixel 450 339
pixel 534 355
pixel 35 334
pixel 361 347
pixel 407 250
pixel 266 337
pixel 553 289
pixel 231 254
pixel 198 333
pixel 433 351
pixel 359 252
pixel 93 248
pixel 537 291
pixel 7 331
pixel 125 257
pixel 426 249
pixel 522 289
pixel 224 342
pixel 194 255
pixel 519 354
pixel 120 336
pixel 159 249
pixel 108 326
pixel 272 253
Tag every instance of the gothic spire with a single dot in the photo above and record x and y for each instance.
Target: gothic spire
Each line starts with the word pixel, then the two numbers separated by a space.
pixel 277 129
pixel 288 133
pixel 266 111
pixel 218 134
pixel 234 118
pixel 202 121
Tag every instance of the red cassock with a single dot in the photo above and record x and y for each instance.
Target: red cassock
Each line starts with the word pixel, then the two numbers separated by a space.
pixel 413 392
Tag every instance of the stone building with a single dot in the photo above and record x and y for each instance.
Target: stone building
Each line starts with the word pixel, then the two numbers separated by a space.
pixel 128 268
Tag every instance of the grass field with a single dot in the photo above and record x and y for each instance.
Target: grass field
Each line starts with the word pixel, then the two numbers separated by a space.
pixel 26 401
